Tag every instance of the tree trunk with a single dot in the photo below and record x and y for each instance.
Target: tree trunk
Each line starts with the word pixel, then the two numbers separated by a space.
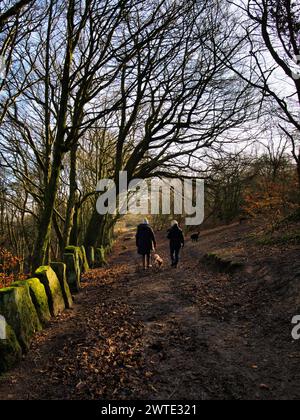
pixel 72 197
pixel 74 236
pixel 40 256
pixel 107 231
pixel 298 172
pixel 59 235
pixel 94 229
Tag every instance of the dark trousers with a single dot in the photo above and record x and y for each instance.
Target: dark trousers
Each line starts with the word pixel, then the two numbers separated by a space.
pixel 175 253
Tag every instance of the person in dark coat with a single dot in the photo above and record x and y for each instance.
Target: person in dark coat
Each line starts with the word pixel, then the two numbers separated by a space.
pixel 175 235
pixel 145 242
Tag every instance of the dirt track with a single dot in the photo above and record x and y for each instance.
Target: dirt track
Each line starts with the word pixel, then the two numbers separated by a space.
pixel 190 333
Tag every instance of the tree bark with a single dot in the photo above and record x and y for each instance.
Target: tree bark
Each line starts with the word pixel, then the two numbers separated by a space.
pixel 94 229
pixel 41 255
pixel 72 197
pixel 298 172
pixel 74 236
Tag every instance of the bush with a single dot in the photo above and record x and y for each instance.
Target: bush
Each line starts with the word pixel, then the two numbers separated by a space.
pixel 9 268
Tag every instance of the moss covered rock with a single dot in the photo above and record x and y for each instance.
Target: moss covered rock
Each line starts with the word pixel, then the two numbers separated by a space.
pixel 60 270
pixel 73 272
pixel 77 252
pixel 101 257
pixel 17 308
pixel 39 298
pixel 53 290
pixel 10 349
pixel 85 260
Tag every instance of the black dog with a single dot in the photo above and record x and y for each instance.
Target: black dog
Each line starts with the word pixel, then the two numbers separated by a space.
pixel 195 237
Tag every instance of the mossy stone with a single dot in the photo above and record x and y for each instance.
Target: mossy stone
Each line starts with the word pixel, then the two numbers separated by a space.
pixel 100 257
pixel 10 349
pixel 73 272
pixel 53 290
pixel 19 311
pixel 60 270
pixel 77 252
pixel 39 298
pixel 85 260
